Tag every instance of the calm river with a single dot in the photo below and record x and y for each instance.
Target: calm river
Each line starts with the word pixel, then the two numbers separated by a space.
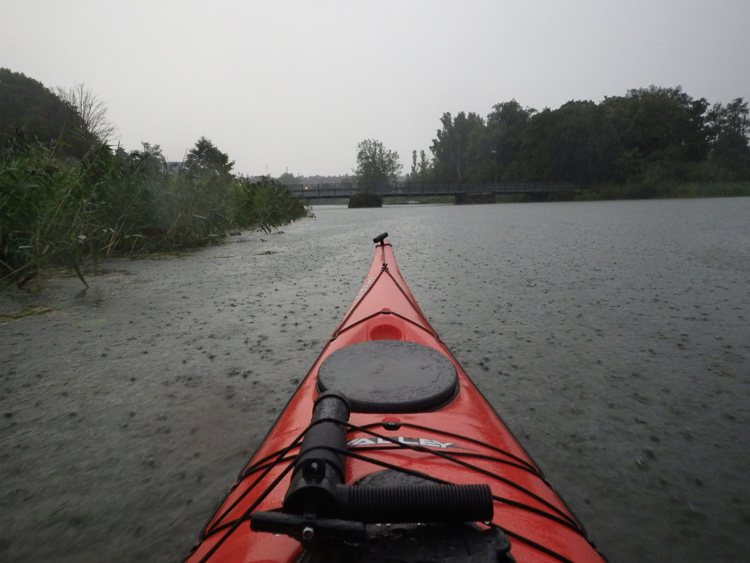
pixel 613 338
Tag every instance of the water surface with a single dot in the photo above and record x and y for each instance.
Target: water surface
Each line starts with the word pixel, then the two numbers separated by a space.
pixel 611 337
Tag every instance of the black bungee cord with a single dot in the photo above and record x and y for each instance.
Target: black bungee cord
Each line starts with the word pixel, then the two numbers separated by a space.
pixel 268 463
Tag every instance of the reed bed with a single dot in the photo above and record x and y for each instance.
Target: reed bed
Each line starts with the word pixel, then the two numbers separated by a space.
pixel 62 211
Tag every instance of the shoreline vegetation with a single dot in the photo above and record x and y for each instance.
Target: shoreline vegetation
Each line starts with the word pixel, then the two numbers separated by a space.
pixel 69 198
pixel 692 190
pixel 666 190
pixel 57 210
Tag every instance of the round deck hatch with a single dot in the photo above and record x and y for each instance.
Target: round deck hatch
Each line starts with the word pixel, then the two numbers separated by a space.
pixel 390 376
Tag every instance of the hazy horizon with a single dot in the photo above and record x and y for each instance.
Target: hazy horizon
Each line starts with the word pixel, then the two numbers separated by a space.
pixel 294 86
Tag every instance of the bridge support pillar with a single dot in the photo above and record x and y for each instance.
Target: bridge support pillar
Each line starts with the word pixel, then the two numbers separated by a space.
pixel 464 198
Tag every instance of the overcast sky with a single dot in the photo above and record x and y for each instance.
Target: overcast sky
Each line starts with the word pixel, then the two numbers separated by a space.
pixel 295 85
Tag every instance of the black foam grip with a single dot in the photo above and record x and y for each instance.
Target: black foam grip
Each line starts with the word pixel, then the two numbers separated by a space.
pixel 438 503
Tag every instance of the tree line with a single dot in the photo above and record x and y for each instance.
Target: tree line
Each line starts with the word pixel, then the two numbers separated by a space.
pixel 67 195
pixel 642 144
pixel 648 137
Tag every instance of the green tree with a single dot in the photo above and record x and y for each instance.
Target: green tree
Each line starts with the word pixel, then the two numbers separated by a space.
pixel 421 168
pixel 534 153
pixel 30 112
pixel 582 145
pixel 205 159
pixel 729 128
pixel 668 122
pixel 664 125
pixel 479 163
pixel 424 167
pixel 506 127
pixel 457 144
pixel 376 166
pixel 149 159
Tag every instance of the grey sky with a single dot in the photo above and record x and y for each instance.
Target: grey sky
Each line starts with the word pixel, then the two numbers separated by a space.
pixel 297 84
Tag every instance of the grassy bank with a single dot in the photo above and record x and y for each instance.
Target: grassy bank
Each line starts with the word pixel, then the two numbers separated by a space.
pixel 665 191
pixel 596 193
pixel 56 210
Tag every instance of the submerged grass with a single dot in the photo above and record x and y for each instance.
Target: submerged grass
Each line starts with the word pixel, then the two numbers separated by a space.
pixel 61 211
pixel 23 313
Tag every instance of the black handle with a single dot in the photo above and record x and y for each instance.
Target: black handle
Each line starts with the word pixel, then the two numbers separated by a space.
pixel 380 238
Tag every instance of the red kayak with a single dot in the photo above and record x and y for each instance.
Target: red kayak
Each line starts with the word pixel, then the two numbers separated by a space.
pixel 387 452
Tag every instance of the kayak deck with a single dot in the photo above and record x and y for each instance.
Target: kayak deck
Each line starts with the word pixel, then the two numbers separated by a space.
pixel 414 413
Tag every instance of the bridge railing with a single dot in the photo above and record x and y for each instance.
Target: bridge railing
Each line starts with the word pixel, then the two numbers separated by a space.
pixel 324 191
pixel 416 189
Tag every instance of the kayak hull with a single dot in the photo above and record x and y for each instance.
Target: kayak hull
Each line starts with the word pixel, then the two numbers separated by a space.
pixel 455 437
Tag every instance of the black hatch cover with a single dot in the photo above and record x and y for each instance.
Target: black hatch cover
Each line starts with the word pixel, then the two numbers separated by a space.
pixel 390 376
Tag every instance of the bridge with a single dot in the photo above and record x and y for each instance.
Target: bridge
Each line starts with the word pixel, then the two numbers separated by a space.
pixel 415 190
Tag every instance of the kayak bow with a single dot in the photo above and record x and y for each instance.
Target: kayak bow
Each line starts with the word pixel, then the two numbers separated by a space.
pixel 388 452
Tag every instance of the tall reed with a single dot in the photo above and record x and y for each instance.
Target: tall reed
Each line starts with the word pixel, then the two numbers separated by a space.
pixel 65 211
